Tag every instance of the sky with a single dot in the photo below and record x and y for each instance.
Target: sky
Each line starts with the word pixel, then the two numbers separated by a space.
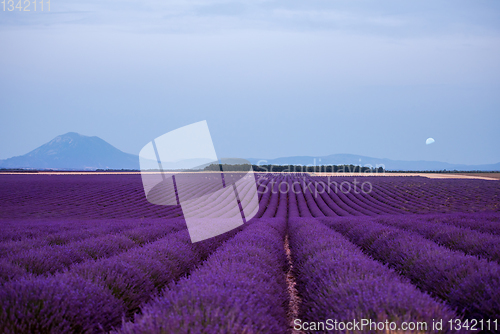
pixel 271 78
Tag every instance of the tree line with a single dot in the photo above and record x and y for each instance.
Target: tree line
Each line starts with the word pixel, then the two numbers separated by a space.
pixel 295 168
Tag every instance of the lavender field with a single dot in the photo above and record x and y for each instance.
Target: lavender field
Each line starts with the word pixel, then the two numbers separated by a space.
pixel 90 254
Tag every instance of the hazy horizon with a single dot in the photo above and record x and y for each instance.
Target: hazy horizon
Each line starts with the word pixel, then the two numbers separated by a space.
pixel 372 161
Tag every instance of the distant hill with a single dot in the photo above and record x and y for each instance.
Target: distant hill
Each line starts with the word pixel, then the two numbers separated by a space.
pixel 73 151
pixel 396 165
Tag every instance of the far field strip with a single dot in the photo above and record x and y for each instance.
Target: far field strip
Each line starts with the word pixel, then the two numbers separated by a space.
pixel 481 176
pixel 478 176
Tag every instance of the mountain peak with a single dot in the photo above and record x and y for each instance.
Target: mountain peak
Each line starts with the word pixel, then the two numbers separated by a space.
pixel 67 137
pixel 74 151
pixel 72 135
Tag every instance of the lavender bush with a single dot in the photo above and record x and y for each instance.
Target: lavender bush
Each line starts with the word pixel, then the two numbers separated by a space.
pixel 57 304
pixel 465 282
pixel 337 281
pixel 239 289
pixel 462 239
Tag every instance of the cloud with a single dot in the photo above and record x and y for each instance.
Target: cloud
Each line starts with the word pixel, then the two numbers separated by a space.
pixel 383 17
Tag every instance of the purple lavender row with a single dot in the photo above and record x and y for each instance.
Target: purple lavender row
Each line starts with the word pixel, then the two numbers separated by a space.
pixel 424 195
pixel 402 201
pixel 282 209
pixel 442 195
pixel 262 184
pixel 193 186
pixel 73 231
pixel 57 304
pixel 86 196
pixel 399 202
pixel 465 191
pixel 337 281
pixel 324 202
pixel 335 203
pixel 368 202
pixel 59 238
pixel 212 206
pixel 403 194
pixel 95 296
pixel 410 190
pixel 122 196
pixel 377 199
pixel 293 208
pixel 239 289
pixel 246 195
pixel 264 193
pixel 485 222
pixel 389 197
pixel 277 202
pixel 311 201
pixel 220 205
pixel 349 201
pixel 374 198
pixel 466 195
pixel 460 239
pixel 272 206
pixel 413 202
pixel 301 201
pixel 20 230
pixel 51 259
pixel 463 281
pixel 307 201
pixel 361 200
pixel 138 274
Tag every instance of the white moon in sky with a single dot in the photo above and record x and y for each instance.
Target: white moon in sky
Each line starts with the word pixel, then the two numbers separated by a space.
pixel 429 141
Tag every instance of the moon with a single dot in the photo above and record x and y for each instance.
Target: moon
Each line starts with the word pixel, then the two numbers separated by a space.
pixel 429 141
